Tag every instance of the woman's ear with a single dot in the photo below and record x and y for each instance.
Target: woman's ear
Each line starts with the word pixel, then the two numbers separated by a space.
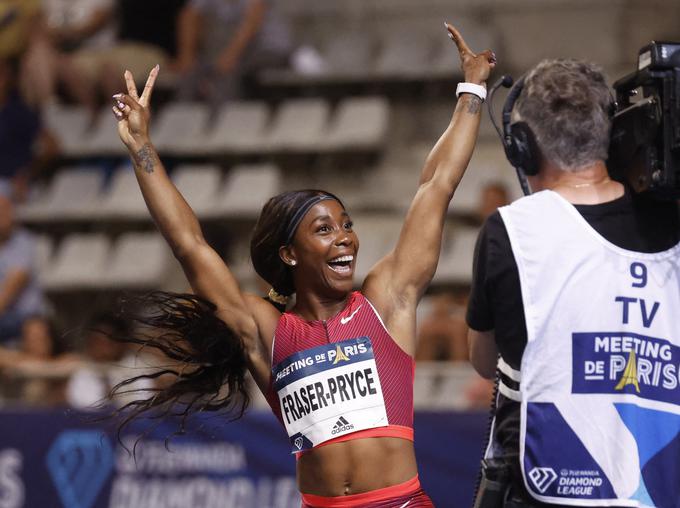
pixel 287 255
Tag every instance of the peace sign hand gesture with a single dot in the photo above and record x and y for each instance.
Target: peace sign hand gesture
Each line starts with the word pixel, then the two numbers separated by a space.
pixel 132 111
pixel 476 67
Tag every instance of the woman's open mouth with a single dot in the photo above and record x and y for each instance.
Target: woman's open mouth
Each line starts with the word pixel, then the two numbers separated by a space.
pixel 341 264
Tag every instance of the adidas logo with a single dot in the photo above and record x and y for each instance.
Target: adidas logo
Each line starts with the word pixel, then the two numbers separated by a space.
pixel 341 425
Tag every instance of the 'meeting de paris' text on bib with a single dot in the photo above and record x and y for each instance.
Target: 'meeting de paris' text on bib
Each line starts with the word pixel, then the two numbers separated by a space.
pixel 329 391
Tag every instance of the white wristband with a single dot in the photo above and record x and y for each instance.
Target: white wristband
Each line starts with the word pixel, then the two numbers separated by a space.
pixel 472 88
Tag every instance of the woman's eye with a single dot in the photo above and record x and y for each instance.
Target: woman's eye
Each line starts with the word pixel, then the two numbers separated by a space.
pixel 323 229
pixel 349 225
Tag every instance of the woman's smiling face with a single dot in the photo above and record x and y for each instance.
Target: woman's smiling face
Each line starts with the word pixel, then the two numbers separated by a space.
pixel 324 248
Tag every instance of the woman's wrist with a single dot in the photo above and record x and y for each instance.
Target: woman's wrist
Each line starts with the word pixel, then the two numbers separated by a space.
pixel 137 143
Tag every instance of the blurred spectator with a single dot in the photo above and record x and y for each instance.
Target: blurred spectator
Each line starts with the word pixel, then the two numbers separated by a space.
pixel 19 20
pixel 78 34
pixel 106 362
pixel 221 42
pixel 22 304
pixel 21 32
pixel 25 145
pixel 147 35
pixel 442 335
pixel 492 196
pixel 36 373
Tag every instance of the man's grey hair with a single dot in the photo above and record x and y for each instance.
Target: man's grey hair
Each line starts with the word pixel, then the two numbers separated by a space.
pixel 567 103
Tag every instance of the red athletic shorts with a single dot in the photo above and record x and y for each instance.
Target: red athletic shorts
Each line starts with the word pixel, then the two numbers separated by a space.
pixel 405 495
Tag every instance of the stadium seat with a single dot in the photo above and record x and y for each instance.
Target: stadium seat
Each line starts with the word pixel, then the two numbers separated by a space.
pixel 390 186
pixel 360 123
pixel 180 127
pixel 138 261
pixel 122 200
pixel 199 185
pixel 44 249
pixel 104 140
pixel 488 164
pixel 239 128
pixel 404 57
pixel 72 195
pixel 299 126
pixel 442 385
pixel 69 125
pixel 246 189
pixel 79 263
pixel 378 234
pixel 455 264
pixel 350 56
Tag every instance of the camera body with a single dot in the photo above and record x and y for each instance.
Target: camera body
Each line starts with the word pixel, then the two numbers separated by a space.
pixel 645 136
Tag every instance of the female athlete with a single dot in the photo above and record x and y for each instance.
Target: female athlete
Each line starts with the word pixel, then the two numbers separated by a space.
pixel 337 368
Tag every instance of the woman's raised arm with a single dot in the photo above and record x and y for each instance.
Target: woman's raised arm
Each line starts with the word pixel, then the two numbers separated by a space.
pixel 398 281
pixel 204 268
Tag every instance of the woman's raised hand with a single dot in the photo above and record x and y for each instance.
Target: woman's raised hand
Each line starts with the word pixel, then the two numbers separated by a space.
pixel 476 66
pixel 132 111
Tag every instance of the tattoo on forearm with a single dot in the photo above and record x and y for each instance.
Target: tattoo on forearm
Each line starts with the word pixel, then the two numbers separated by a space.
pixel 474 104
pixel 145 158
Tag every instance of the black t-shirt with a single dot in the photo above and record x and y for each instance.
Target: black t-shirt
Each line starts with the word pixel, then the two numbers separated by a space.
pixel 633 222
pixel 150 21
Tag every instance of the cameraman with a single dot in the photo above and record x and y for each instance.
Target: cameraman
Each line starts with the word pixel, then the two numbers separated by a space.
pixel 574 303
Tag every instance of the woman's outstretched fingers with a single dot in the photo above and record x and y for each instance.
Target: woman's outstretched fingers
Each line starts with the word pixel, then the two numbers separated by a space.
pixel 130 83
pixel 455 36
pixel 148 88
pixel 490 56
pixel 128 103
pixel 117 113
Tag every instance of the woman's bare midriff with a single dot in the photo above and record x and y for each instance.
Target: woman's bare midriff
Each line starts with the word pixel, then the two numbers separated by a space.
pixel 353 467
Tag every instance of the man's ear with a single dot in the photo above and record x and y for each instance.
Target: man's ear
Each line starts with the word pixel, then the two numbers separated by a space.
pixel 287 255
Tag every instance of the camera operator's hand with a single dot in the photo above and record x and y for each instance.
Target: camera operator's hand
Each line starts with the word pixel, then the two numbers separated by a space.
pixel 476 66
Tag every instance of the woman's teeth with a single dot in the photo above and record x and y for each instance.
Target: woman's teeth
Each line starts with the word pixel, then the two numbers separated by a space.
pixel 341 264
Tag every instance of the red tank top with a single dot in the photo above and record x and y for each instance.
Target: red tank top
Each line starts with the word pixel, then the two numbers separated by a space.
pixel 295 337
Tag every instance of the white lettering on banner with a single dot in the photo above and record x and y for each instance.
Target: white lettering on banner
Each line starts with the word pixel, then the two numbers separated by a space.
pixel 12 492
pixel 153 457
pixel 626 344
pixel 346 352
pixel 131 492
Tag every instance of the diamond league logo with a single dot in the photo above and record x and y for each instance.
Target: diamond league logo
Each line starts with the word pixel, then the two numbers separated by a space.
pixel 542 477
pixel 80 463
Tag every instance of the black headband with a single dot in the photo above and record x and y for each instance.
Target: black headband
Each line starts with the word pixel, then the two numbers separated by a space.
pixel 301 212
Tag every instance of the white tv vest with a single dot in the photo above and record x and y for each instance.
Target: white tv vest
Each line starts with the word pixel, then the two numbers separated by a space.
pixel 599 383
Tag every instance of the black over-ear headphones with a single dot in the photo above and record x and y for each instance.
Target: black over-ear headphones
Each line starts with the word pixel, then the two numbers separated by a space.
pixel 519 141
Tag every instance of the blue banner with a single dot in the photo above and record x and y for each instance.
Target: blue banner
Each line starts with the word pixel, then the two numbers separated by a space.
pixel 610 362
pixel 60 459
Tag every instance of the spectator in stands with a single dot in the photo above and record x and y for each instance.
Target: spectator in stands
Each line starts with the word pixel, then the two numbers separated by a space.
pixel 140 44
pixel 18 19
pixel 26 147
pixel 442 336
pixel 79 32
pixel 22 305
pixel 221 42
pixel 105 362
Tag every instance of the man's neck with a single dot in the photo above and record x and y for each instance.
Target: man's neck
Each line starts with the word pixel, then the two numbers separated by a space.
pixel 588 185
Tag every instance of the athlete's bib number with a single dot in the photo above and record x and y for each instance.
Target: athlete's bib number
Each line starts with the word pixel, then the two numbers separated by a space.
pixel 328 391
